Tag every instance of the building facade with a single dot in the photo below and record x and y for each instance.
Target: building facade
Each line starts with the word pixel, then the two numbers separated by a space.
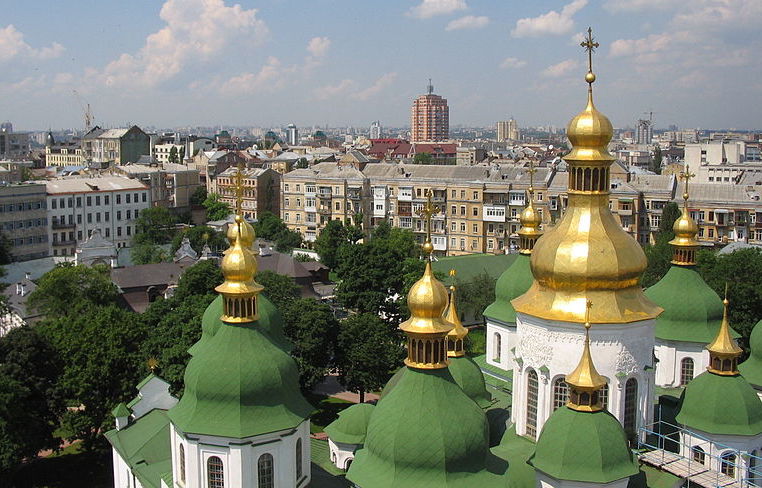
pixel 260 190
pixel 429 118
pixel 24 221
pixel 116 146
pixel 507 130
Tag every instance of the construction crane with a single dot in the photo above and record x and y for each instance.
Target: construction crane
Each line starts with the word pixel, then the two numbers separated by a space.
pixel 89 117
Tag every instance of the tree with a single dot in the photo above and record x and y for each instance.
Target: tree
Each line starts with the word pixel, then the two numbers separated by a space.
pixel 148 254
pixel 181 154
pixel 334 235
pixel 198 196
pixel 656 159
pixel 30 400
pixel 287 240
pixel 199 279
pixel 66 289
pixel 475 295
pixel 313 329
pixel 155 225
pixel 367 353
pixel 99 348
pixel 5 249
pixel 269 225
pixel 279 289
pixel 659 255
pixel 198 236
pixel 215 209
pixel 173 155
pixel 301 163
pixel 423 158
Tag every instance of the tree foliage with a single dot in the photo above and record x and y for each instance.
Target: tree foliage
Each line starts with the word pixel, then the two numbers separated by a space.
pixel 270 227
pixel 368 353
pixel 659 254
pixel 423 158
pixel 334 235
pixel 279 289
pixel 199 279
pixel 5 249
pixel 173 155
pixel 66 289
pixel 155 225
pixel 148 254
pixel 30 399
pixel 474 295
pixel 216 209
pixel 198 196
pixel 198 236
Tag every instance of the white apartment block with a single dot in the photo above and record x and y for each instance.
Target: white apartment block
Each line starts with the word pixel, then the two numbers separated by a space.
pixel 77 206
pixel 722 161
pixel 162 151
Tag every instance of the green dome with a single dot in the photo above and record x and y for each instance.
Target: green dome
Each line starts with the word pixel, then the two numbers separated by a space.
pixel 240 384
pixel 514 282
pixel 352 424
pixel 469 377
pixel 270 321
pixel 692 310
pixel 584 446
pixel 425 433
pixel 720 405
pixel 751 369
pixel 393 381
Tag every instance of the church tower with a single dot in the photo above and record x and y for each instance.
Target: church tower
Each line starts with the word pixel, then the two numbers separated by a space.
pixel 586 257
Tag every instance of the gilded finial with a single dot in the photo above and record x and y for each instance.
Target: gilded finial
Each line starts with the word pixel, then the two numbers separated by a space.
pixel 530 218
pixel 427 211
pixel 585 382
pixel 724 351
pixel 152 364
pixel 685 176
pixel 532 170
pixel 590 45
pixel 685 229
pixel 239 189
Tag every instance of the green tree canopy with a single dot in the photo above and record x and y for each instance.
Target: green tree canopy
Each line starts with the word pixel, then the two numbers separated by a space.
pixel 423 158
pixel 155 225
pixel 30 399
pixel 66 289
pixel 367 354
pixel 5 249
pixel 199 235
pixel 148 254
pixel 198 196
pixel 334 235
pixel 313 329
pixel 216 209
pixel 270 227
pixel 474 295
pixel 173 155
pixel 279 289
pixel 199 279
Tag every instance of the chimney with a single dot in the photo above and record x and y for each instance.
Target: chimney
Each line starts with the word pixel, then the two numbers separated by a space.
pixel 27 275
pixel 19 289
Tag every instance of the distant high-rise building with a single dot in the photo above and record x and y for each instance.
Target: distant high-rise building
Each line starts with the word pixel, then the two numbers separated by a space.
pixel 375 130
pixel 644 133
pixel 507 130
pixel 429 118
pixel 292 135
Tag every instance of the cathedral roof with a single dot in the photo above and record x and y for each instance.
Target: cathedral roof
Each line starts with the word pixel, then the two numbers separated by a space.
pixel 751 369
pixel 514 282
pixel 352 424
pixel 470 378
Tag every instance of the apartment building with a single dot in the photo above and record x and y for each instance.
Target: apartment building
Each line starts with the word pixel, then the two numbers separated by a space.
pixel 312 197
pixel 723 161
pixel 63 154
pixel 261 188
pixel 13 145
pixel 76 206
pixel 117 146
pixel 171 184
pixel 726 213
pixel 23 220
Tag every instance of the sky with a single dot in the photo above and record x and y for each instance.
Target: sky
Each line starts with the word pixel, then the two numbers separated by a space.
pixel 268 63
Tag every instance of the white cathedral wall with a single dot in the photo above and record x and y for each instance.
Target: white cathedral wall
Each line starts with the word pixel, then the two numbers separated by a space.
pixel 499 352
pixel 552 349
pixel 123 477
pixel 240 457
pixel 545 481
pixel 715 445
pixel 341 453
pixel 670 354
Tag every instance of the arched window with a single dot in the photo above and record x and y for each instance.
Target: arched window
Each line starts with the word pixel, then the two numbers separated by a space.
pixel 686 371
pixel 560 393
pixel 298 459
pixel 181 463
pixel 265 471
pixel 605 396
pixel 728 464
pixel 630 407
pixel 496 347
pixel 215 472
pixel 699 455
pixel 532 387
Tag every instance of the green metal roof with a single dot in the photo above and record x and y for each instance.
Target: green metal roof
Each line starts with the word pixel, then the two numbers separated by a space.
pixel 513 283
pixel 121 410
pixel 720 405
pixel 393 381
pixel 240 383
pixel 751 369
pixel 470 378
pixel 470 265
pixel 145 380
pixel 584 446
pixel 692 310
pixel 427 433
pixel 145 447
pixel 352 424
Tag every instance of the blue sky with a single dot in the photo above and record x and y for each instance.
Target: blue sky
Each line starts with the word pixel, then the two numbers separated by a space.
pixel 340 62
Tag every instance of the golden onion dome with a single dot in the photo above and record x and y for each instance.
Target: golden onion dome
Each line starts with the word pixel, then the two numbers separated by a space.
pixel 685 230
pixel 239 266
pixel 244 230
pixel 530 218
pixel 427 300
pixel 451 315
pixel 589 133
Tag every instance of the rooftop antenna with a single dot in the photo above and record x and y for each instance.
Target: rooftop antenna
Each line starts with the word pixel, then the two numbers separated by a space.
pixel 430 87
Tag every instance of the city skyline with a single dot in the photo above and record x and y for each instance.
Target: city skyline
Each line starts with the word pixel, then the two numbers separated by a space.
pixel 212 62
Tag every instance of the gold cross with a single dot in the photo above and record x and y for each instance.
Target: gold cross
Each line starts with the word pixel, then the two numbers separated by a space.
pixel 531 172
pixel 426 212
pixel 589 44
pixel 686 175
pixel 239 189
pixel 588 306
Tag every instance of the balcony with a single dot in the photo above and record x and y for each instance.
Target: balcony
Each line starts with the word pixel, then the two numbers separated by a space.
pixel 62 225
pixel 624 211
pixel 493 213
pixel 65 242
pixel 440 243
pixel 405 195
pixel 324 210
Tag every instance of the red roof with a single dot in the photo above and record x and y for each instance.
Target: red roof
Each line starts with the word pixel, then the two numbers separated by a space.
pixel 435 149
pixel 397 148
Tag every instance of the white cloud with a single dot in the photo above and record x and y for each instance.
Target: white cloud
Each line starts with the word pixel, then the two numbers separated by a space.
pixel 318 46
pixel 468 22
pixel 639 5
pixel 629 47
pixel 431 8
pixel 12 44
pixel 376 87
pixel 267 78
pixel 559 69
pixel 195 30
pixel 330 91
pixel 513 63
pixel 550 23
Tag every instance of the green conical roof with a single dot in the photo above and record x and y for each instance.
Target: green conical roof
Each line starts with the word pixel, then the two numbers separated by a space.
pixel 584 446
pixel 469 377
pixel 121 410
pixel 270 320
pixel 720 404
pixel 239 384
pixel 425 433
pixel 692 310
pixel 514 282
pixel 751 369
pixel 352 424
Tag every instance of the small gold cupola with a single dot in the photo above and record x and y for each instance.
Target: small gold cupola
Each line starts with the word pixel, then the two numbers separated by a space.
pixel 426 329
pixel 587 256
pixel 724 351
pixel 456 337
pixel 584 382
pixel 530 218
pixel 685 244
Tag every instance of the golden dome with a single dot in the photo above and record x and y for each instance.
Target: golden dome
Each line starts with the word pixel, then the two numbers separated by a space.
pixel 458 333
pixel 585 378
pixel 244 230
pixel 589 133
pixel 724 351
pixel 529 218
pixel 427 300
pixel 239 266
